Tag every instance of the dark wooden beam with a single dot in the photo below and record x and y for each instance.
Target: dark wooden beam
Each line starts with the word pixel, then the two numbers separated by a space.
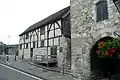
pixel 58 25
pixel 50 27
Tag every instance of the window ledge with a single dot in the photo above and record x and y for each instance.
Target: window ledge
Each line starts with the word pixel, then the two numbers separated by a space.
pixel 102 21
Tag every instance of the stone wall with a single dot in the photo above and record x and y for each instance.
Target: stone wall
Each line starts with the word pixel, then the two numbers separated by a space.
pixel 36 51
pixel 85 31
pixel 64 56
pixel 39 51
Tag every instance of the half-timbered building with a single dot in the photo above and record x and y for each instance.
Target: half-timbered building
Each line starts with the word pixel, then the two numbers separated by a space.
pixel 48 39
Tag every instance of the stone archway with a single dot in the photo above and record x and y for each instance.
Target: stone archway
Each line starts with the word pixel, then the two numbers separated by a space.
pixel 97 68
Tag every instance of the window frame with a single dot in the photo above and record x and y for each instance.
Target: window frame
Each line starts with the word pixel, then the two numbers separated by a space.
pixel 42 43
pixel 104 10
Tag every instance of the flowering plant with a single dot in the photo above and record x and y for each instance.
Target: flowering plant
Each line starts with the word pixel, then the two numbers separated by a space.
pixel 108 48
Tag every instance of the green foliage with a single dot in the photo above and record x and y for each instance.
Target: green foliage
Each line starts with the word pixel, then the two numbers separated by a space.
pixel 109 48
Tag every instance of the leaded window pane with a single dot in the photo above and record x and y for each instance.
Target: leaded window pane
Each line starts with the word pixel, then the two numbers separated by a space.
pixel 42 30
pixel 42 43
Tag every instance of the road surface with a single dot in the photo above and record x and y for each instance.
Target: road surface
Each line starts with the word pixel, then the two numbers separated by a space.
pixel 8 73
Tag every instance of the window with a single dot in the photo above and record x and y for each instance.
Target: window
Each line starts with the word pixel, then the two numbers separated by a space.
pixel 33 44
pixel 42 43
pixel 56 41
pixel 26 45
pixel 53 51
pixel 27 35
pixel 57 32
pixel 45 42
pixel 50 42
pixel 51 33
pixel 42 30
pixel 102 11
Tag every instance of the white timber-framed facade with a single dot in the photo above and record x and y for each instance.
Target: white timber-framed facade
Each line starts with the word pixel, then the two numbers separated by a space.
pixel 50 36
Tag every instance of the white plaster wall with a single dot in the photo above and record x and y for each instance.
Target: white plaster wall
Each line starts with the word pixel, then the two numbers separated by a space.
pixel 20 53
pixel 26 53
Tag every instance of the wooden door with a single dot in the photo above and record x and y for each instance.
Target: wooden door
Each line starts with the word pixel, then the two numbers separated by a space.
pixel 31 52
pixel 53 50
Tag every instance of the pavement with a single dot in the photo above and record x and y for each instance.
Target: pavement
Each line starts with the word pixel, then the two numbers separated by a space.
pixel 38 71
pixel 2 59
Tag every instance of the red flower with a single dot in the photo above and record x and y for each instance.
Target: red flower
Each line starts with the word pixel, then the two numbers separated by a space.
pixel 98 51
pixel 113 50
pixel 107 53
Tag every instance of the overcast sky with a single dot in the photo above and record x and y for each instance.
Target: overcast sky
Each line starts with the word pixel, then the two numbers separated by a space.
pixel 17 15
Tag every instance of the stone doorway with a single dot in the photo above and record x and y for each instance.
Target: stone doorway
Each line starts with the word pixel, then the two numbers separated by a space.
pixel 101 67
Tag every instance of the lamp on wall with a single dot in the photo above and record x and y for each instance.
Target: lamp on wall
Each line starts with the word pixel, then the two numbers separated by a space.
pixel 117 4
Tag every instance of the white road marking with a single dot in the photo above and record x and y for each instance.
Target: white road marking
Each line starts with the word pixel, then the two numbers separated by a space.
pixel 3 56
pixel 6 61
pixel 20 72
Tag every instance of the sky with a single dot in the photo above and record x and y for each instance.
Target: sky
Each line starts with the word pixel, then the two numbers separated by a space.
pixel 18 15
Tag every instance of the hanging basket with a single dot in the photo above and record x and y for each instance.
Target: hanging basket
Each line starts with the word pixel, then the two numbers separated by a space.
pixel 108 48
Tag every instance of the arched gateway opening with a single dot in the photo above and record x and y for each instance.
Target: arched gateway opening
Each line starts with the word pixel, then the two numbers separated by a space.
pixel 101 67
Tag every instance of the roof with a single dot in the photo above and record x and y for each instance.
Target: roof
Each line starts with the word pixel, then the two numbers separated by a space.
pixel 50 19
pixel 14 45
